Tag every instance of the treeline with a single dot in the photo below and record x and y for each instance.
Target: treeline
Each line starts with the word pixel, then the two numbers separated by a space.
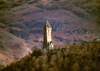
pixel 72 57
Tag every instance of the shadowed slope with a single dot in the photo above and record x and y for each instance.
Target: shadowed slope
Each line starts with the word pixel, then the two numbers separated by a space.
pixel 11 48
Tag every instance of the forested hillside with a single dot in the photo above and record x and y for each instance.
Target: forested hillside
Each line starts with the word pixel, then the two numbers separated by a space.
pixel 71 57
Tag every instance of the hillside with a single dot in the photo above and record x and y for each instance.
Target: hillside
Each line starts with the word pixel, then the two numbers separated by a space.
pixel 76 57
pixel 71 20
pixel 12 48
pixel 22 21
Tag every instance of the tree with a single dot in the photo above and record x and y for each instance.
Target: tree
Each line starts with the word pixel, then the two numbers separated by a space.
pixel 86 68
pixel 60 63
pixel 66 61
pixel 55 68
pixel 37 67
pixel 75 67
pixel 32 69
pixel 44 67
pixel 50 69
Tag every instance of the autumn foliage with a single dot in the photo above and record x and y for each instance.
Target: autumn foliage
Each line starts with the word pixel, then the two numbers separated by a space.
pixel 72 57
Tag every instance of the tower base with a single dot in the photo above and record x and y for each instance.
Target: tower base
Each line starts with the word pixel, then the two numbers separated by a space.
pixel 48 45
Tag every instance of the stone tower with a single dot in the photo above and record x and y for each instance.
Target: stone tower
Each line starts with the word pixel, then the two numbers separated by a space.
pixel 47 36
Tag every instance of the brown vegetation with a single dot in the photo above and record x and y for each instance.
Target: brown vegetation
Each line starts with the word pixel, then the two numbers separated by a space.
pixel 78 57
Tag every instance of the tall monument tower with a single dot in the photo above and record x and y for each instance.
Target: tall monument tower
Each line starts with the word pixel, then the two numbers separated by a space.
pixel 47 36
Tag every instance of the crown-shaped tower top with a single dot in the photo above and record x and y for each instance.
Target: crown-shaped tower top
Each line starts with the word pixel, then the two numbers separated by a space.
pixel 47 25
